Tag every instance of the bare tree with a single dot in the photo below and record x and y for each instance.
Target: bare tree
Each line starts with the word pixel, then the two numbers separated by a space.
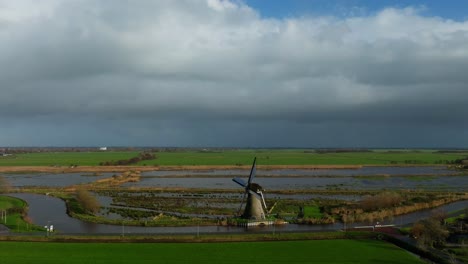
pixel 429 232
pixel 89 203
pixel 381 200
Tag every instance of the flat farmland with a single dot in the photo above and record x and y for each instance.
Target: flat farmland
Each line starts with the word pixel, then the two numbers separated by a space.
pixel 302 157
pixel 64 158
pixel 237 157
pixel 314 251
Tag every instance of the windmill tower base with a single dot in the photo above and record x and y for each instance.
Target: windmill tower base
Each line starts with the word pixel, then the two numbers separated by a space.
pixel 253 208
pixel 254 223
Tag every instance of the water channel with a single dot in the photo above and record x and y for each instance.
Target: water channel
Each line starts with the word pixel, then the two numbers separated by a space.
pixel 46 210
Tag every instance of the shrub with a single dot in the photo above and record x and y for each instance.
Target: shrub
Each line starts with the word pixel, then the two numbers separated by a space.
pixel 89 203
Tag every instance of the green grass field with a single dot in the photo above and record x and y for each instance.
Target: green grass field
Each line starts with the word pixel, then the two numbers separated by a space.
pixel 7 202
pixel 237 157
pixel 299 157
pixel 14 221
pixel 64 158
pixel 315 251
pixel 312 212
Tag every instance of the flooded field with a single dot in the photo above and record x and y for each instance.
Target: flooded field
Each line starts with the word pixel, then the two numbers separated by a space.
pixel 52 180
pixel 371 182
pixel 456 183
pixel 366 178
pixel 384 170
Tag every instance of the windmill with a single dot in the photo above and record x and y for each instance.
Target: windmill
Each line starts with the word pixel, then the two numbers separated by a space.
pixel 255 205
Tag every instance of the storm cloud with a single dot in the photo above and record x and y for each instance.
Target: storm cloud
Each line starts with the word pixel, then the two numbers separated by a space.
pixel 217 73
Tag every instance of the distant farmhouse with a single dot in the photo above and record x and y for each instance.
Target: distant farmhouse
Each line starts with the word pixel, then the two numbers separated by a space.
pixel 103 148
pixel 4 154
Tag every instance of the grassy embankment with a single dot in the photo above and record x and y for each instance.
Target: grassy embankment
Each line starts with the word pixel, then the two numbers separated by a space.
pixel 15 215
pixel 325 251
pixel 456 216
pixel 238 158
pixel 64 158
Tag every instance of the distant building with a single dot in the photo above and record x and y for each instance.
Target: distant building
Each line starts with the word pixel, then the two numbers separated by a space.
pixel 103 148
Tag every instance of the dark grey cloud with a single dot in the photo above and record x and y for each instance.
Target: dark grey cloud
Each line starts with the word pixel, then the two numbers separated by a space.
pixel 216 73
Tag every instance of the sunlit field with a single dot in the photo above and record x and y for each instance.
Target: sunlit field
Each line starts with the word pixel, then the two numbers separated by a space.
pixel 316 251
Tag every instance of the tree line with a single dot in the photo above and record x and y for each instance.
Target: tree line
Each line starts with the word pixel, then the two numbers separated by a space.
pixel 142 156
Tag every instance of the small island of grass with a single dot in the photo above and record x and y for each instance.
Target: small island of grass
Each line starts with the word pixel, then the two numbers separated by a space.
pixel 13 215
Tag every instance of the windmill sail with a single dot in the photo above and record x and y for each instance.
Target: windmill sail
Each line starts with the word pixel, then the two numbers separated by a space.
pixel 252 171
pixel 240 182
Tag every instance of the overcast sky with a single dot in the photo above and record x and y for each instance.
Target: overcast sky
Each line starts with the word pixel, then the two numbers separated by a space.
pixel 217 73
